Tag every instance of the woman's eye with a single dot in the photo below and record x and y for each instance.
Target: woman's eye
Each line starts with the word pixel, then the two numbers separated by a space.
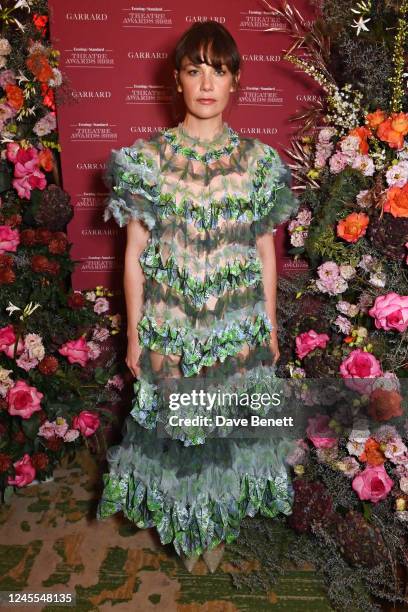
pixel 192 71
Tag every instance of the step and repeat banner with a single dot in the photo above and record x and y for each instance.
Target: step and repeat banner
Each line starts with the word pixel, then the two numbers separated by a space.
pixel 116 58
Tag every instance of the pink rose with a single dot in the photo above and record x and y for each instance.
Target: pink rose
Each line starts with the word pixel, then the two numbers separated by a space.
pixel 87 422
pixel 360 365
pixel 8 341
pixel 390 312
pixel 23 400
pixel 47 430
pixel 25 472
pixel 308 341
pixel 9 239
pixel 373 483
pixel 319 432
pixel 77 351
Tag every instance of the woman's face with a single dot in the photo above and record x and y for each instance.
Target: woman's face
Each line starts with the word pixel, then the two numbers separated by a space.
pixel 206 90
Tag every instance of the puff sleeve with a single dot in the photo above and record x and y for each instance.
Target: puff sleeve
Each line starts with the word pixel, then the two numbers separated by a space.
pixel 272 199
pixel 132 177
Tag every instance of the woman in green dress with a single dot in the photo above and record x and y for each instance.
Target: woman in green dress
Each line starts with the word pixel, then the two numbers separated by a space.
pixel 200 204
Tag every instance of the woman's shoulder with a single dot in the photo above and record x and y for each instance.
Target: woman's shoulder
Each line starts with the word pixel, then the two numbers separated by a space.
pixel 258 149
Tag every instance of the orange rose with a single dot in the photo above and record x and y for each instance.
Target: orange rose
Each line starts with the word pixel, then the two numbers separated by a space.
pixel 397 201
pixel 372 453
pixel 46 160
pixel 374 119
pixel 39 66
pixel 399 123
pixel 393 130
pixel 15 96
pixel 384 405
pixel 362 133
pixel 353 226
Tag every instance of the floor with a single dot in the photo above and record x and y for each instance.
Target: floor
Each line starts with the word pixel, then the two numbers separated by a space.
pixel 50 542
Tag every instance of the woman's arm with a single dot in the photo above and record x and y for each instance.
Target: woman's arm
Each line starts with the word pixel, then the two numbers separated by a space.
pixel 266 249
pixel 133 281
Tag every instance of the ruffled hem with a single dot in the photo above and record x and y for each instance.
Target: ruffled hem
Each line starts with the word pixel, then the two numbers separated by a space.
pixel 232 276
pixel 195 354
pixel 193 530
pixel 195 497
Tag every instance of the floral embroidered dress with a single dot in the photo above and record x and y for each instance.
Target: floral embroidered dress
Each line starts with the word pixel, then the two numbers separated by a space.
pixel 204 325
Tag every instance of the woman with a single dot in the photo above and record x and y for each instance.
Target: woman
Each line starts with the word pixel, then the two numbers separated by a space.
pixel 200 204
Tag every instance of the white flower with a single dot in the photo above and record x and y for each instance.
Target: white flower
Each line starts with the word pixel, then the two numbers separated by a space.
pixel 397 175
pixel 360 24
pixel 5 47
pixel 378 279
pixel 347 271
pixel 350 145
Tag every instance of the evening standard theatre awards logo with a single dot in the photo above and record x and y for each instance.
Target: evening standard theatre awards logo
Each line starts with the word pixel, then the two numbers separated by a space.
pixel 100 263
pixel 91 131
pixel 88 57
pixel 257 21
pixel 147 94
pixel 147 17
pixel 260 95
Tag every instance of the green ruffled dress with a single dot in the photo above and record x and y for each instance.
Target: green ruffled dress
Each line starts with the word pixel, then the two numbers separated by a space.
pixel 204 326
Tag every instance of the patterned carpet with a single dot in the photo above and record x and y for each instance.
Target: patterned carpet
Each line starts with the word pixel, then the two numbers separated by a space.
pixel 50 541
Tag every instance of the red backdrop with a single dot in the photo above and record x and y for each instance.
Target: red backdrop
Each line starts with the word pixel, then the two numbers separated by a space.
pixel 116 58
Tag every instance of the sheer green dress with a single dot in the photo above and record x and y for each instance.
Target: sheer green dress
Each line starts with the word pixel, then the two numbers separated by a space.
pixel 204 325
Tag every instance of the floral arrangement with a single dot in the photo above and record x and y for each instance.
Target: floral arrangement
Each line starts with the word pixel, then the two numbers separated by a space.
pixel 345 318
pixel 58 370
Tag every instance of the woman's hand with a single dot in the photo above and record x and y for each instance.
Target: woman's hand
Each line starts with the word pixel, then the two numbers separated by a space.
pixel 273 345
pixel 133 355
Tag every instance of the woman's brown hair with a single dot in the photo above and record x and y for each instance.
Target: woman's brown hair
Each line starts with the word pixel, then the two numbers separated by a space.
pixel 211 43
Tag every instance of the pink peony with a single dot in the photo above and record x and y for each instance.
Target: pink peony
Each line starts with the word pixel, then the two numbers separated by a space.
pixel 87 422
pixel 9 239
pixel 319 432
pixel 390 311
pixel 23 400
pixel 373 483
pixel 357 370
pixel 25 472
pixel 77 351
pixel 308 341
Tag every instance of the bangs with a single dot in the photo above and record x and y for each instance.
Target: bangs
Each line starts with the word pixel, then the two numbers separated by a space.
pixel 210 43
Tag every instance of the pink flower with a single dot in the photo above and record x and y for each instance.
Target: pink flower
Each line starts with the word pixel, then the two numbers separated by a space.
pixel 94 350
pixel 9 239
pixel 101 305
pixel 25 362
pixel 8 341
pixel 349 466
pixel 61 427
pixel 390 312
pixel 360 365
pixel 87 422
pixel 116 381
pixel 319 432
pixel 308 341
pixel 71 435
pixel 47 430
pixel 77 351
pixel 338 162
pixel 25 472
pixel 23 400
pixel 12 150
pixel 24 184
pixel 373 483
